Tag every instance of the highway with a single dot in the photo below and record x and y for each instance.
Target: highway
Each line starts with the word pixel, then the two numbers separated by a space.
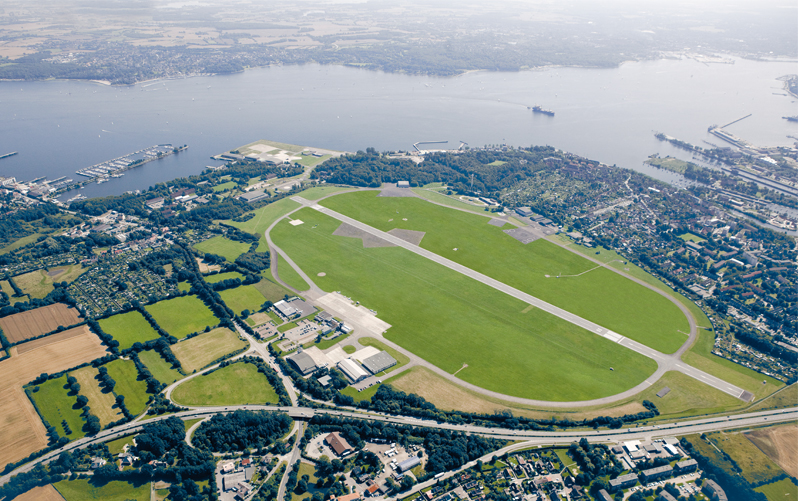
pixel 665 362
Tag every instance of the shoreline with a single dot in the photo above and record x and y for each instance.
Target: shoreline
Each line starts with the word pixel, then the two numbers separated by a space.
pixel 665 56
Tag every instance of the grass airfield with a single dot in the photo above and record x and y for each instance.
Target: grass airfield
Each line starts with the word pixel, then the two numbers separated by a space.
pixel 451 320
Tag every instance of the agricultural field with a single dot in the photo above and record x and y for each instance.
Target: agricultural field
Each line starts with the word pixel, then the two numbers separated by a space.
pixel 53 338
pixel 159 367
pixel 756 466
pixel 245 297
pixel 41 493
pixel 56 405
pixel 779 443
pixel 21 430
pixel 783 490
pixel 87 489
pixel 596 294
pixel 39 283
pixel 103 403
pixel 199 351
pixel 482 328
pixel 236 384
pixel 219 277
pixel 221 246
pixel 33 323
pixel 128 328
pixel 135 392
pixel 183 315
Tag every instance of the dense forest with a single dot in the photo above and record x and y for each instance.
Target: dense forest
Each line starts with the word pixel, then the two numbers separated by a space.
pixel 473 171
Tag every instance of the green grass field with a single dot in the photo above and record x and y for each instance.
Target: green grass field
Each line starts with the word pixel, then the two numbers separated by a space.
pixel 306 469
pixel 449 319
pixel 691 237
pixel 39 283
pixel 224 186
pixel 56 405
pixel 318 192
pixel 125 374
pixel 783 490
pixel 115 446
pixel 89 489
pixel 327 343
pixel 270 290
pixel 219 277
pixel 264 217
pixel 236 384
pixel 756 466
pixel 600 295
pixel 199 351
pixel 245 297
pixel 159 367
pixel 289 275
pixel 439 198
pixel 180 316
pixel 128 328
pixel 221 246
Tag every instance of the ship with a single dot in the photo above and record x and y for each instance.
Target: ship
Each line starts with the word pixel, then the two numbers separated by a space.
pixel 544 111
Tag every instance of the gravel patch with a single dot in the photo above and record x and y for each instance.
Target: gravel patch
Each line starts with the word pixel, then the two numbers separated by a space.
pixel 410 236
pixel 497 222
pixel 369 240
pixel 523 235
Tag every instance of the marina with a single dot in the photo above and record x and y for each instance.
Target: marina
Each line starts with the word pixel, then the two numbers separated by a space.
pixel 114 168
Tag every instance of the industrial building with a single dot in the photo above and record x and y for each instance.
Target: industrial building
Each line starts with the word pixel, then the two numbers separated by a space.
pixel 254 196
pixel 379 362
pixel 285 309
pixel 405 465
pixel 338 444
pixel 352 370
pixel 303 362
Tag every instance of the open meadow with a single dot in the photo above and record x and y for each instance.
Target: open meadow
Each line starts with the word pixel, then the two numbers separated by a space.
pixel 264 217
pixel 57 404
pixel 452 320
pixel 33 323
pixel 236 384
pixel 756 466
pixel 199 351
pixel 88 489
pixel 783 490
pixel 128 328
pixel 124 373
pixel 21 430
pixel 245 297
pixel 270 290
pixel 221 246
pixel 600 295
pixel 158 367
pixel 39 283
pixel 219 277
pixel 102 402
pixel 183 315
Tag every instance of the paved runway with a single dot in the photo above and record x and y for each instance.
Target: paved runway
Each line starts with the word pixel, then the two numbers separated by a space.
pixel 665 362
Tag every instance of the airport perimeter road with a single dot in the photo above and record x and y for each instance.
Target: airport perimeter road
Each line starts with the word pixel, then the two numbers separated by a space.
pixel 665 362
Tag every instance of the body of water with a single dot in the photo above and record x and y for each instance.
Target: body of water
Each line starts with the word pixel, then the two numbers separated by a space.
pixel 608 115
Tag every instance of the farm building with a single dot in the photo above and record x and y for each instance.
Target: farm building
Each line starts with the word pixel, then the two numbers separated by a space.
pixel 404 466
pixel 338 444
pixel 352 370
pixel 303 362
pixel 379 362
